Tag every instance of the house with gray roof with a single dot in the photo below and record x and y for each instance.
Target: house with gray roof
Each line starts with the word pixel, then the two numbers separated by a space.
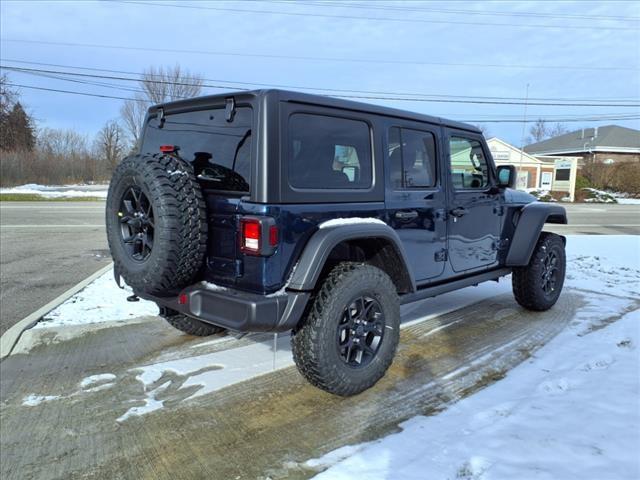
pixel 609 144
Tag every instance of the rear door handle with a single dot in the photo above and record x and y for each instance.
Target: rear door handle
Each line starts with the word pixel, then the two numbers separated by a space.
pixel 407 215
pixel 459 212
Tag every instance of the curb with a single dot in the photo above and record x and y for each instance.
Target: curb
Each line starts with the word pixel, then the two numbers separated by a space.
pixel 9 339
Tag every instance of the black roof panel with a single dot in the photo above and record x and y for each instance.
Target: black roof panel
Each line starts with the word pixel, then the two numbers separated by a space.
pixel 311 99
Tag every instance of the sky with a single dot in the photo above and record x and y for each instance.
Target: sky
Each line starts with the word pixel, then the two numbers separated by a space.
pixel 587 51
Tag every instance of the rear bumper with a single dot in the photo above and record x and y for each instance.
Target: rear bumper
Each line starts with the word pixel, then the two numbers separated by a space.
pixel 236 310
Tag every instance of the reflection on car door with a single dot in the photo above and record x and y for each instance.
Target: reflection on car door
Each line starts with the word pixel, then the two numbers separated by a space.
pixel 475 214
pixel 415 197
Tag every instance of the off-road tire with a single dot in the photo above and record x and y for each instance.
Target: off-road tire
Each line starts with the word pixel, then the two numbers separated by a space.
pixel 528 281
pixel 314 343
pixel 192 326
pixel 180 230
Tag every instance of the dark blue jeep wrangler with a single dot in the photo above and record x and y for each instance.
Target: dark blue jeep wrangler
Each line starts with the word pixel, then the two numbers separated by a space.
pixel 278 211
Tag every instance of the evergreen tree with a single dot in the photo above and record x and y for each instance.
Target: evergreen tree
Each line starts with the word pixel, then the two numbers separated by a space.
pixel 19 132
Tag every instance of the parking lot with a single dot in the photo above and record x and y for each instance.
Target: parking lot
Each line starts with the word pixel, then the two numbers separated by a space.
pixel 78 428
pixel 135 398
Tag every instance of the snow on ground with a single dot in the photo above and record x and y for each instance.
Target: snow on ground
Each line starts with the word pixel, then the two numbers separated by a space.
pixel 35 400
pixel 571 411
pixel 603 196
pixel 101 301
pixel 60 191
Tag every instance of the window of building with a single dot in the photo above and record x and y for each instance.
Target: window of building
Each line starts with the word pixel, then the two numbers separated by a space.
pixel 329 152
pixel 563 174
pixel 469 168
pixel 412 157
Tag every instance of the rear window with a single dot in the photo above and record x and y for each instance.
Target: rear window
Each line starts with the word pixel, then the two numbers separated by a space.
pixel 328 152
pixel 220 150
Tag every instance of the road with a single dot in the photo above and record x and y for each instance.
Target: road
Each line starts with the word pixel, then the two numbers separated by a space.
pixel 600 219
pixel 46 248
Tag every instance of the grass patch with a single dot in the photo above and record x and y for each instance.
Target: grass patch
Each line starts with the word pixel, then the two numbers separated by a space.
pixel 33 197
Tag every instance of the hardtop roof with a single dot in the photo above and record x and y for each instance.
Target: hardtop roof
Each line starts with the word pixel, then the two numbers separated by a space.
pixel 311 99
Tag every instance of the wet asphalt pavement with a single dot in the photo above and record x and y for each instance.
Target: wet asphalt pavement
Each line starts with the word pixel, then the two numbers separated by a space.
pixel 266 427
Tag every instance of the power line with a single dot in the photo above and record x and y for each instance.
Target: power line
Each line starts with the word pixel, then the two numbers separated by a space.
pixel 492 13
pixel 496 120
pixel 357 17
pixel 98 95
pixel 324 89
pixel 319 59
pixel 368 97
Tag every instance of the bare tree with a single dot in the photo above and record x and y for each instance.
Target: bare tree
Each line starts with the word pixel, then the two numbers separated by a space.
pixel 132 113
pixel 171 83
pixel 158 85
pixel 484 129
pixel 558 129
pixel 541 131
pixel 110 145
pixel 538 131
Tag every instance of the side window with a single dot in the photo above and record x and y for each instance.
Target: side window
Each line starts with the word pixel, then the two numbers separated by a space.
pixel 412 156
pixel 469 167
pixel 328 152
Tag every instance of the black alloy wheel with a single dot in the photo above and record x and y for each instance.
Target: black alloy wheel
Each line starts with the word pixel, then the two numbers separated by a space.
pixel 360 331
pixel 538 285
pixel 136 223
pixel 550 273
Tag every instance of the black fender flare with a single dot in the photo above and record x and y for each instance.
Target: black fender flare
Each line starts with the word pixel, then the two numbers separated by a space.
pixel 322 242
pixel 531 219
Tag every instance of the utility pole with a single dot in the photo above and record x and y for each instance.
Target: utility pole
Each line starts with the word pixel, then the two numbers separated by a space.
pixel 524 128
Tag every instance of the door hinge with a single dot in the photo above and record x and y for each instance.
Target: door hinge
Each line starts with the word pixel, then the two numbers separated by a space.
pixel 501 244
pixel 499 210
pixel 441 255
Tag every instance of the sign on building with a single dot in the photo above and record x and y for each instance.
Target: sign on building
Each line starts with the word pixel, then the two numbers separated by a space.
pixel 564 176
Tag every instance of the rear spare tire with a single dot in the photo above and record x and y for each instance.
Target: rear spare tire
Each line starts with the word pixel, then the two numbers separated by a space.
pixel 156 223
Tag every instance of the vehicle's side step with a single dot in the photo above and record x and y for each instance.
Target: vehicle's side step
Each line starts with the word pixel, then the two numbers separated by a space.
pixel 435 290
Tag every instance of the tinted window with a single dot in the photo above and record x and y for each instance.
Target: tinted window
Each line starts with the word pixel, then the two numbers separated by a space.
pixel 328 152
pixel 412 155
pixel 468 164
pixel 220 150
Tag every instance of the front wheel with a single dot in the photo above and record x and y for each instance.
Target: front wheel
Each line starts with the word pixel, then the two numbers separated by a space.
pixel 538 285
pixel 350 335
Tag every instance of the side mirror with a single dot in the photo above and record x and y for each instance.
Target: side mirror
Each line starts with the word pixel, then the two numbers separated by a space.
pixel 506 176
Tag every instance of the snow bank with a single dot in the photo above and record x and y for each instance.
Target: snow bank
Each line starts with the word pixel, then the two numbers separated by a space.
pixel 569 412
pixel 101 301
pixel 59 191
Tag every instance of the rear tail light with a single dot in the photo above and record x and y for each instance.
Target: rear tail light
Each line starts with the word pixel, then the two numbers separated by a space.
pixel 258 235
pixel 169 148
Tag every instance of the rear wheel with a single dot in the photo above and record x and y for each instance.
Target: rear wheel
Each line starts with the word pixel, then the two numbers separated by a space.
pixel 156 223
pixel 191 325
pixel 538 285
pixel 350 335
